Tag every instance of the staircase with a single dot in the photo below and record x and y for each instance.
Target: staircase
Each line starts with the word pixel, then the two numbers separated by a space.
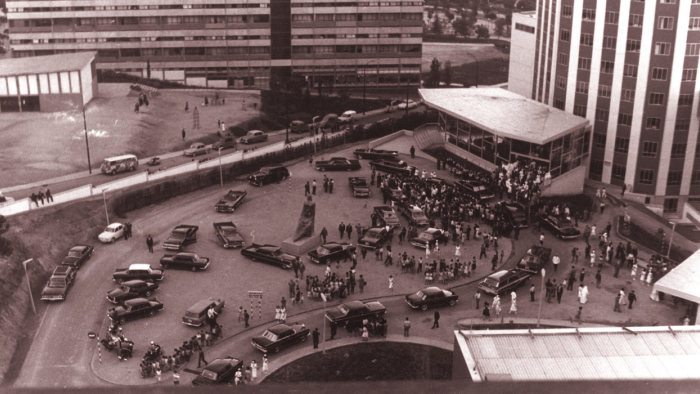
pixel 428 135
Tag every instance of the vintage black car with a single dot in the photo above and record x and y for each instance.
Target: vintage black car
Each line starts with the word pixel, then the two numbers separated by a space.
pixel 196 315
pixel 230 201
pixel 130 290
pixel 475 189
pixel 269 254
pixel 338 164
pixel 535 259
pixel 331 251
pixel 77 255
pixel 386 216
pixel 393 167
pixel 375 154
pixel 374 238
pixel 134 309
pixel 437 182
pixel 354 312
pixel 182 235
pixel 218 371
pixel 269 174
pixel 515 214
pixel 59 283
pixel 137 271
pixel 359 186
pixel 229 235
pixel 504 281
pixel 392 190
pixel 184 261
pixel 430 236
pixel 561 228
pixel 416 217
pixel 431 296
pixel 280 335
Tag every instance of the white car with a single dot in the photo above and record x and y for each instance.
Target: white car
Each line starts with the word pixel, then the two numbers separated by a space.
pixel 112 233
pixel 347 117
pixel 411 104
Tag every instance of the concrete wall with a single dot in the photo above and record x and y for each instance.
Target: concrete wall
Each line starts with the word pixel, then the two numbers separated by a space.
pixel 174 171
pixel 570 183
pixel 74 194
pixel 124 182
pixel 470 157
pixel 59 102
pixel 196 81
pixel 388 138
pixel 217 83
pixel 522 56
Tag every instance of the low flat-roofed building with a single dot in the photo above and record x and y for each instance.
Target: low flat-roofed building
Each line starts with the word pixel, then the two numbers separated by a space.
pixel 47 83
pixel 684 282
pixel 578 354
pixel 493 126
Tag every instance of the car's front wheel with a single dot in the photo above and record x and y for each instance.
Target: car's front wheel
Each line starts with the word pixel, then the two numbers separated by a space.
pixel 194 269
pixel 112 240
pixel 452 302
pixel 122 320
pixel 148 293
pixel 303 339
pixel 277 349
pixel 424 307
pixel 151 313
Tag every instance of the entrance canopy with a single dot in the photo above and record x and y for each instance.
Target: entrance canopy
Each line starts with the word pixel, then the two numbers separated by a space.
pixel 683 281
pixel 504 113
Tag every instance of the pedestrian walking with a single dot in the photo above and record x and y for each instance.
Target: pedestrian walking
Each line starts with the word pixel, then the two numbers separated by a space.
pixel 532 293
pixel 330 186
pixel 555 262
pixel 496 305
pixel 598 279
pixel 176 377
pixel 246 317
pixel 283 315
pixel 513 304
pixel 406 327
pixel 633 272
pixel 485 313
pixel 324 234
pixel 265 365
pixel 436 324
pixel 631 298
pixel 184 134
pixel 413 152
pixel 149 243
pixel 313 188
pixel 302 268
pixel 341 229
pixel 560 292
pixel 477 298
pixel 391 283
pixel 307 189
pixel 315 335
pixel 240 314
pixel 616 308
pixel 365 334
pixel 578 315
pixel 348 229
pixel 278 314
pixel 541 239
pixel 201 358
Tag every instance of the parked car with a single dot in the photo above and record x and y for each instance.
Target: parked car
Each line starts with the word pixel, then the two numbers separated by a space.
pixel 504 281
pixel 338 164
pixel 298 127
pixel 224 143
pixel 331 251
pixel 270 174
pixel 535 258
pixel 196 149
pixel 515 214
pixel 270 254
pixel 407 103
pixel 374 238
pixel 330 121
pixel 112 232
pixel 184 261
pixel 230 201
pixel 359 186
pixel 352 313
pixel 393 167
pixel 475 189
pixel 229 235
pixel 218 371
pixel 77 255
pixel 430 236
pixel 59 283
pixel 254 136
pixel 386 216
pixel 196 315
pixel 182 235
pixel 134 309
pixel 347 117
pixel 415 216
pixel 132 289
pixel 431 296
pixel 137 271
pixel 392 190
pixel 561 228
pixel 279 336
pixel 376 154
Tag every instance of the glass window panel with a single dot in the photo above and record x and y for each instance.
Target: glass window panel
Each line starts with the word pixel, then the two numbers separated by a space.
pixel 65 82
pixel 44 84
pixel 556 158
pixel 23 87
pixel 474 150
pixel 53 82
pixel 567 143
pixel 12 85
pixel 556 143
pixel 476 135
pixel 3 86
pixel 33 86
pixel 519 146
pixel 565 162
pixel 555 172
pixel 489 152
pixel 503 147
pixel 75 82
pixel 578 146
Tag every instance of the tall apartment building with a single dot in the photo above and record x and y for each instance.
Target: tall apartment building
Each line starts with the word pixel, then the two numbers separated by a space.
pixel 230 43
pixel 630 67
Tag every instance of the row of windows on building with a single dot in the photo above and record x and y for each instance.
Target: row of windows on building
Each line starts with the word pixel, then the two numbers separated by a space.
pixel 630 70
pixel 605 91
pixel 610 42
pixel 210 6
pixel 210 19
pixel 649 148
pixel 206 38
pixel 635 20
pixel 525 28
pixel 34 84
pixel 646 175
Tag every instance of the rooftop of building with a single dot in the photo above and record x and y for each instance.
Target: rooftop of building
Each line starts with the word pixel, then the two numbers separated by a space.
pixel 684 280
pixel 582 354
pixel 45 64
pixel 504 113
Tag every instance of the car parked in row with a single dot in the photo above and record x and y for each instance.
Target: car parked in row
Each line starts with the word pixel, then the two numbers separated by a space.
pixel 475 189
pixel 59 283
pixel 270 254
pixel 228 233
pixel 112 233
pixel 515 214
pixel 184 261
pixel 254 136
pixel 298 127
pixel 415 216
pixel 359 186
pixel 374 238
pixel 393 167
pixel 376 154
pixel 429 237
pixel 77 255
pixel 137 271
pixel 338 164
pixel 279 336
pixel 224 143
pixel 331 251
pixel 181 235
pixel 562 228
pixel 134 309
pixel 386 216
pixel 347 117
pixel 132 289
pixel 269 174
pixel 407 104
pixel 196 315
pixel 430 297
pixel 230 201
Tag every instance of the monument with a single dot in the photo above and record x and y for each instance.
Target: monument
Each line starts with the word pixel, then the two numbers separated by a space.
pixel 304 238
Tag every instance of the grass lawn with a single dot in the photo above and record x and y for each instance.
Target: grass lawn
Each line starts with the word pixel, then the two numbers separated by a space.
pixel 368 361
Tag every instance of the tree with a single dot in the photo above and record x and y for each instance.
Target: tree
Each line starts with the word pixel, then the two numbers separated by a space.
pixel 463 27
pixel 509 19
pixel 437 26
pixel 450 16
pixel 482 31
pixel 508 4
pixel 500 27
pixel 525 5
pixel 434 76
pixel 447 74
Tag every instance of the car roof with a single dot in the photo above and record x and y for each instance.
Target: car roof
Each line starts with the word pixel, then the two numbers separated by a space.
pixel 254 131
pixel 498 275
pixel 62 270
pixel 219 365
pixel 186 254
pixel 139 266
pixel 279 328
pixel 78 247
pixel 383 208
pixel 355 305
pixel 134 282
pixel 431 230
pixel 432 290
pixel 136 301
pixel 201 304
pixel 114 225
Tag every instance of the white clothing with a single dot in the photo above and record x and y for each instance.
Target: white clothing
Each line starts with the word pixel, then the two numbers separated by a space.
pixel 584 295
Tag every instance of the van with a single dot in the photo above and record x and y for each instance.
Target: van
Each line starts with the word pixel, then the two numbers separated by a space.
pixel 297 126
pixel 117 164
pixel 347 117
pixel 504 281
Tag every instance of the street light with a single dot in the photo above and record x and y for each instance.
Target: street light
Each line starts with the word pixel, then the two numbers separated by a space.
pixel 541 294
pixel 104 199
pixel 87 145
pixel 221 173
pixel 24 263
pixel 477 68
pixel 364 85
pixel 670 242
pixel 324 322
pixel 314 131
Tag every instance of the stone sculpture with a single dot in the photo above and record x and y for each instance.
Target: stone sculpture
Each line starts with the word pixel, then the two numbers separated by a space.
pixel 305 227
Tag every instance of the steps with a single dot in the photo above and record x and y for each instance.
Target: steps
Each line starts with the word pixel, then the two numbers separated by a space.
pixel 427 135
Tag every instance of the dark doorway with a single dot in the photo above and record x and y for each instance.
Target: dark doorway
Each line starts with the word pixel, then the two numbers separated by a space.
pixel 9 104
pixel 30 104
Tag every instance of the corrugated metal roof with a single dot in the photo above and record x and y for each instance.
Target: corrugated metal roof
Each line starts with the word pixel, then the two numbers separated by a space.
pixel 46 64
pixel 590 354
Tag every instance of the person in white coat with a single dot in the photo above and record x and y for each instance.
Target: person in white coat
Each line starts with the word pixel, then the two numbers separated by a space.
pixel 584 295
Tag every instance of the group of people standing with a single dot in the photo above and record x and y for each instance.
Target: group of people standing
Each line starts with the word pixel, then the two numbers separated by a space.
pixel 41 196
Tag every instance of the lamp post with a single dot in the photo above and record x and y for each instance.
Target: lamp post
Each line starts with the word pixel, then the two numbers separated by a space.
pixel 87 145
pixel 539 311
pixel 314 131
pixel 221 173
pixel 408 79
pixel 477 68
pixel 324 322
pixel 364 85
pixel 31 297
pixel 104 199
pixel 670 242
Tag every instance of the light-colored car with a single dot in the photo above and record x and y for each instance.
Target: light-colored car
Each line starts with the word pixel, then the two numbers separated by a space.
pixel 347 117
pixel 112 232
pixel 411 104
pixel 196 149
pixel 253 136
